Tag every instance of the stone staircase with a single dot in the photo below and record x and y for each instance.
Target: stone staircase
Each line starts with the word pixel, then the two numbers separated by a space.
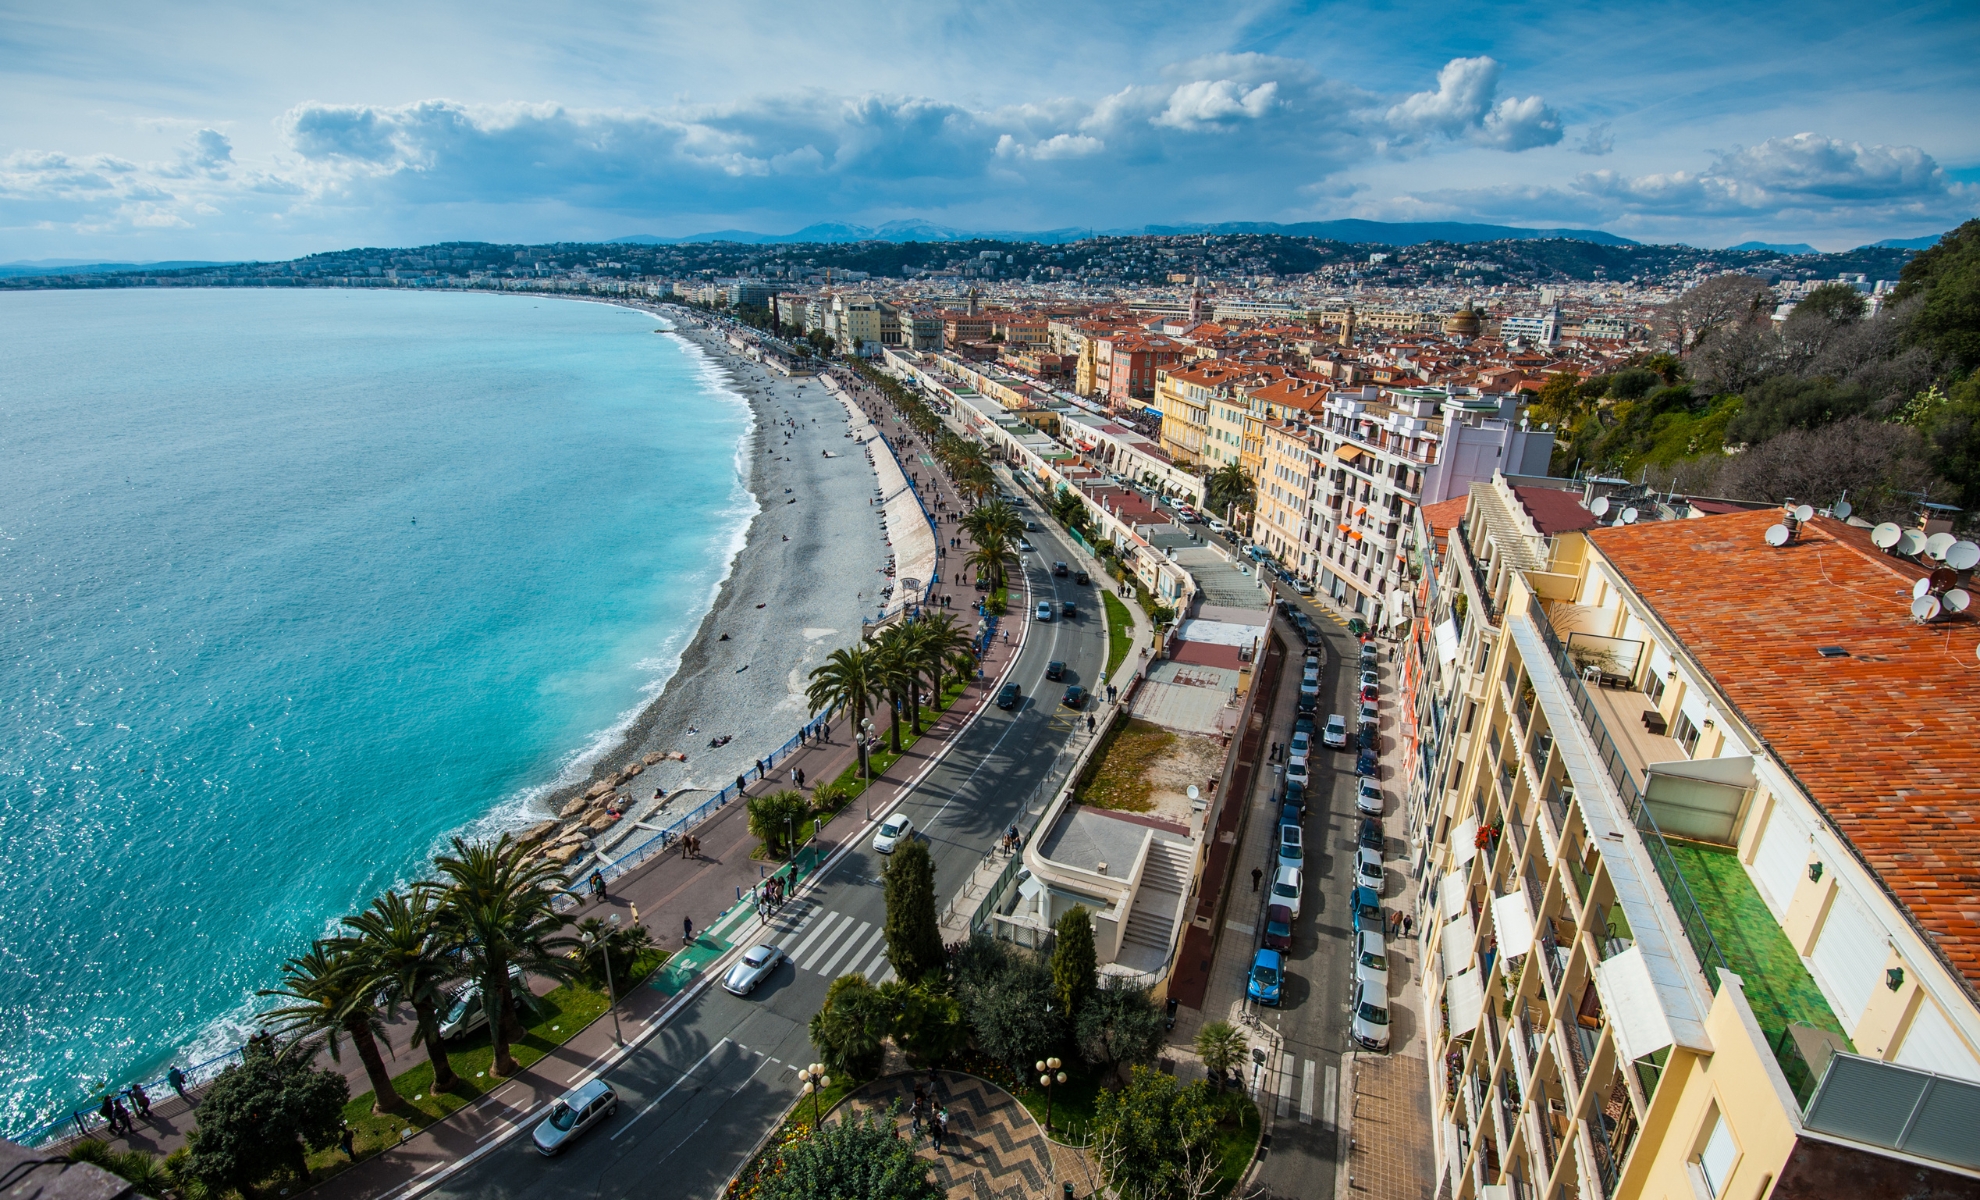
pixel 1163 882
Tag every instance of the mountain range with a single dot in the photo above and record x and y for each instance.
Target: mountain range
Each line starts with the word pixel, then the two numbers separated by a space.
pixel 1382 233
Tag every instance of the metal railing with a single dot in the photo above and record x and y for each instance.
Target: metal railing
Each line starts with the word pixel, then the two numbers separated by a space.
pixel 1477 577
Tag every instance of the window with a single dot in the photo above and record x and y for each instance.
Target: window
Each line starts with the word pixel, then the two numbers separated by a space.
pixel 1686 734
pixel 1653 687
pixel 1716 1158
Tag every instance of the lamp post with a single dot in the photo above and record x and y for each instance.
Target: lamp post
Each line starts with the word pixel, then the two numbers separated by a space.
pixel 1049 1074
pixel 815 1081
pixel 611 992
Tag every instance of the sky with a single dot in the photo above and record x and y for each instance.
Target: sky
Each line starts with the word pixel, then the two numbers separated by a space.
pixel 232 130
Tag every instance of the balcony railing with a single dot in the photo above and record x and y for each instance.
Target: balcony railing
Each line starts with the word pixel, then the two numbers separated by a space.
pixel 1477 576
pixel 1607 1174
pixel 1577 1053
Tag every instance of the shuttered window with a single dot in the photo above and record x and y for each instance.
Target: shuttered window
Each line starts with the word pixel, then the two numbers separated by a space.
pixel 1782 858
pixel 1931 1044
pixel 1849 957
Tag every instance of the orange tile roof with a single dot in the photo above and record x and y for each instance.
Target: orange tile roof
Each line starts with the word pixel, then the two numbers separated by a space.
pixel 1883 740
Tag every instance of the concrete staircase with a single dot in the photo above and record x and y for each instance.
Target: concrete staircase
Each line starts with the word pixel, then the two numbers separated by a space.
pixel 1163 882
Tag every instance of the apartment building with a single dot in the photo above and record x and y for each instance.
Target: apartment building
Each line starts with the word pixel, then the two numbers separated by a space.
pixel 1283 494
pixel 1392 451
pixel 1695 893
pixel 1184 395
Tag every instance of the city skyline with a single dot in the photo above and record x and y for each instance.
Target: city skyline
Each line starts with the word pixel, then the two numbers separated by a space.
pixel 225 133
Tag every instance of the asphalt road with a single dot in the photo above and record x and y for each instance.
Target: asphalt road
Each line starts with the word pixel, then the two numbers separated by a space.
pixel 699 1095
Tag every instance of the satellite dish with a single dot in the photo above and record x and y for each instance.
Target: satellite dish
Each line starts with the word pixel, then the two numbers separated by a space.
pixel 1963 556
pixel 1842 510
pixel 1193 793
pixel 1937 545
pixel 1924 608
pixel 1805 512
pixel 1922 587
pixel 1956 600
pixel 1943 578
pixel 1886 535
pixel 1629 516
pixel 1777 535
pixel 1601 506
pixel 1910 542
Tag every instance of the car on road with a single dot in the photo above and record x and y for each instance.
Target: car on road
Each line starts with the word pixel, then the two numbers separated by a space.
pixel 1308 704
pixel 1216 525
pixel 1364 739
pixel 893 831
pixel 1024 544
pixel 1371 713
pixel 1278 927
pixel 1069 610
pixel 1309 634
pixel 1302 743
pixel 1008 696
pixel 1366 905
pixel 573 1115
pixel 1371 961
pixel 1055 670
pixel 1303 725
pixel 1288 886
pixel 1044 610
pixel 1187 514
pixel 465 1013
pixel 1371 692
pixel 1031 526
pixel 1365 762
pixel 1296 772
pixel 1075 697
pixel 1292 848
pixel 1370 833
pixel 1082 578
pixel 1303 588
pixel 1369 677
pixel 1335 734
pixel 753 969
pixel 1367 797
pixel 1059 570
pixel 1309 683
pixel 1267 974
pixel 1371 1017
pixel 1368 868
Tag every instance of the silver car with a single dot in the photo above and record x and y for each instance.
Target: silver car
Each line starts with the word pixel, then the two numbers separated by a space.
pixel 579 1110
pixel 754 968
pixel 465 1012
pixel 1371 1017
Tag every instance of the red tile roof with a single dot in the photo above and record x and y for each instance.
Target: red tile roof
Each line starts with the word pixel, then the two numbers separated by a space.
pixel 1554 511
pixel 1884 740
pixel 1444 516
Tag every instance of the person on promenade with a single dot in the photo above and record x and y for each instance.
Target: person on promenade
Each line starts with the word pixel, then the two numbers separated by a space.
pixel 108 1114
pixel 177 1079
pixel 800 777
pixel 740 785
pixel 687 930
pixel 598 885
pixel 123 1116
pixel 139 1101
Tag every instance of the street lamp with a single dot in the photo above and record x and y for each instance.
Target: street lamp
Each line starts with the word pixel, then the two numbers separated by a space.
pixel 1049 1075
pixel 815 1081
pixel 611 992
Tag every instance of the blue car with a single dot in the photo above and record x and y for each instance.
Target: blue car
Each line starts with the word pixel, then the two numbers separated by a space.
pixel 1367 906
pixel 1365 763
pixel 1266 973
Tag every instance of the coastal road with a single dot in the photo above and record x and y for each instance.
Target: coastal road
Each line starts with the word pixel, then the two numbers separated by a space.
pixel 697 1097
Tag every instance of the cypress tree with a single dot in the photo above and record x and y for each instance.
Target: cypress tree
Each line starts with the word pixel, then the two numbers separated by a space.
pixel 914 937
pixel 1075 966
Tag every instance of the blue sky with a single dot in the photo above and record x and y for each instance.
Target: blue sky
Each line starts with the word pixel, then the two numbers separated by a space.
pixel 236 130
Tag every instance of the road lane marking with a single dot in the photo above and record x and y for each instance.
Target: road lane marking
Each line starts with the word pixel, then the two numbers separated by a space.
pixel 687 1075
pixel 1284 1089
pixel 1330 1096
pixel 803 948
pixel 830 963
pixel 864 953
pixel 1306 1093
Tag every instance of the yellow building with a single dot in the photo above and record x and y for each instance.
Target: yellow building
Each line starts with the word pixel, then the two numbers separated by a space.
pixel 1696 903
pixel 1185 396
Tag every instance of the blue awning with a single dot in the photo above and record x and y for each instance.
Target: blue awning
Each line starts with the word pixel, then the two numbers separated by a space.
pixel 1151 411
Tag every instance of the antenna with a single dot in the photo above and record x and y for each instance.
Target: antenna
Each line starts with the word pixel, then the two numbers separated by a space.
pixel 1963 556
pixel 1629 516
pixel 1943 578
pixel 1842 510
pixel 1924 609
pixel 1804 512
pixel 1910 542
pixel 1884 536
pixel 1923 586
pixel 1601 506
pixel 1777 535
pixel 1937 544
pixel 1956 600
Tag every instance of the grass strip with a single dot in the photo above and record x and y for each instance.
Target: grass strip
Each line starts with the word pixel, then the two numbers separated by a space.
pixel 1120 632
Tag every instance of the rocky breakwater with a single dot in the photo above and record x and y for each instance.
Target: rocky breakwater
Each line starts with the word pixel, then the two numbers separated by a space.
pixel 594 817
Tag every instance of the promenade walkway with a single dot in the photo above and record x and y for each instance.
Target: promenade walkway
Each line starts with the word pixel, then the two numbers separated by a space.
pixel 996 1148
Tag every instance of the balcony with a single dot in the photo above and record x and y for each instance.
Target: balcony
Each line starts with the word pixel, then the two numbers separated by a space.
pixel 1459 548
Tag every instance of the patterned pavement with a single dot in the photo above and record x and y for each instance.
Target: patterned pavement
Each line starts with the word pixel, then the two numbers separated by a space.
pixel 996 1149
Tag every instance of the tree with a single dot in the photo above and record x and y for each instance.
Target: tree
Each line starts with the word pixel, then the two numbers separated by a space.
pixel 1877 463
pixel 927 1025
pixel 1119 1025
pixel 1156 1139
pixel 401 937
pixel 263 1115
pixel 621 944
pixel 778 818
pixel 936 638
pixel 1947 278
pixel 847 681
pixel 850 1027
pixel 914 936
pixel 1007 998
pixel 988 563
pixel 863 1158
pixel 1221 1047
pixel 896 671
pixel 1075 967
pixel 498 907
pixel 1714 304
pixel 332 989
pixel 1226 486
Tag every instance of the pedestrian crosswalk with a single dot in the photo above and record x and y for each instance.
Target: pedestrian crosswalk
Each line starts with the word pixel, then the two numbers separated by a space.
pixel 1301 1082
pixel 833 944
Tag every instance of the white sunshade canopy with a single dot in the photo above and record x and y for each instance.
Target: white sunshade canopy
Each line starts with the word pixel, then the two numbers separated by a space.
pixel 1512 917
pixel 1465 996
pixel 1629 997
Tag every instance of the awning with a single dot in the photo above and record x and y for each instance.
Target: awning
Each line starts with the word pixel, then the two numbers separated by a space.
pixel 1456 947
pixel 1347 453
pixel 1466 997
pixel 1464 841
pixel 1629 1000
pixel 1451 893
pixel 1447 642
pixel 1512 917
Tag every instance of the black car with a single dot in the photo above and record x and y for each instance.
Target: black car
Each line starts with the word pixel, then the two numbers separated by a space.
pixel 1371 833
pixel 1059 570
pixel 1082 578
pixel 1055 670
pixel 1008 696
pixel 1069 610
pixel 1308 704
pixel 1365 762
pixel 1309 634
pixel 1075 697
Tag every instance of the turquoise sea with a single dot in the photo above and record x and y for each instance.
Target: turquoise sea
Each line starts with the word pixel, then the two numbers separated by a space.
pixel 294 586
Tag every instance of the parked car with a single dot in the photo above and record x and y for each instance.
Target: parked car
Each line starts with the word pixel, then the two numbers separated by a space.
pixel 1008 696
pixel 1055 670
pixel 465 1013
pixel 1303 725
pixel 1371 1017
pixel 1368 868
pixel 1267 973
pixel 1216 524
pixel 893 831
pixel 1371 692
pixel 1371 961
pixel 1335 734
pixel 1371 713
pixel 1367 797
pixel 1060 570
pixel 753 969
pixel 1288 886
pixel 569 1118
pixel 1069 610
pixel 1082 578
pixel 1278 927
pixel 1292 848
pixel 1365 762
pixel 1309 634
pixel 1370 834
pixel 1369 677
pixel 1308 704
pixel 1044 610
pixel 1303 588
pixel 1291 811
pixel 1075 697
pixel 1366 905
pixel 1296 772
pixel 1302 743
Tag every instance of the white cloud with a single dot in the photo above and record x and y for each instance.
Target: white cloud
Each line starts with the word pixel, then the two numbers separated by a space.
pixel 1805 171
pixel 1207 102
pixel 1466 107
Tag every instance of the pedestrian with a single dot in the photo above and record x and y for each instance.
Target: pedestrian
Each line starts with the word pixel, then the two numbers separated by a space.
pixel 109 1115
pixel 139 1100
pixel 177 1079
pixel 935 1134
pixel 1257 875
pixel 1409 925
pixel 759 768
pixel 687 930
pixel 800 776
pixel 740 785
pixel 123 1116
pixel 598 886
pixel 1395 923
pixel 347 1141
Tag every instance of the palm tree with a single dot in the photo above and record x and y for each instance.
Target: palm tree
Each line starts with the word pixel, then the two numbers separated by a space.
pixel 936 638
pixel 498 908
pixel 1227 485
pixel 333 989
pixel 846 681
pixel 897 673
pixel 988 563
pixel 400 935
